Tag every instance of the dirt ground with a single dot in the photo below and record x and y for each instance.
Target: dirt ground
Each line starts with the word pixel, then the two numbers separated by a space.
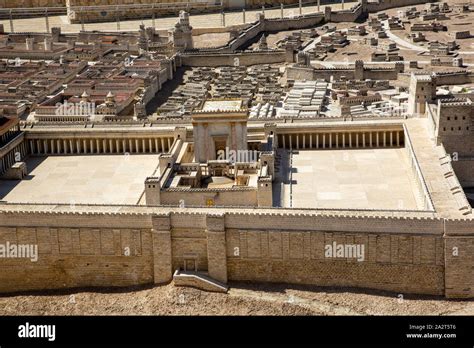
pixel 242 299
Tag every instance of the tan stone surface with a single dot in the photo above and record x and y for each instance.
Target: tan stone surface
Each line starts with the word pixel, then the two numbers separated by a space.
pixel 354 179
pixel 113 179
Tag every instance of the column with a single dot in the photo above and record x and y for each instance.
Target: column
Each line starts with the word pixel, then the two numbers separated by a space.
pixel 281 10
pixel 71 147
pixel 317 140
pixel 162 145
pixel 283 136
pixel 46 20
pixel 32 146
pixel 297 141
pixel 111 145
pixel 398 138
pixel 391 138
pixel 310 140
pixel 130 146
pixel 136 146
pixel 324 141
pixel 156 145
pixel 117 15
pixel 357 139
pixel 117 146
pixel 152 18
pixel 104 146
pixel 53 149
pixel 343 140
pixel 363 139
pixel 82 18
pixel 377 139
pixel 97 145
pixel 337 140
pixel 243 15
pixel 350 139
pixel 150 146
pixel 169 144
pixel 11 22
pixel 384 139
pixel 370 139
pixel 319 4
pixel 301 5
pixel 143 145
pixel 330 140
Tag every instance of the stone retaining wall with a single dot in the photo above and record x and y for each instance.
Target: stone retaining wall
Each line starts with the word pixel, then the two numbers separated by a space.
pixel 104 248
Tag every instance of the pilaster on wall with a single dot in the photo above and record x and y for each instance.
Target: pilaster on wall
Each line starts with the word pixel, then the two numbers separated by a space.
pixel 459 258
pixel 216 247
pixel 161 236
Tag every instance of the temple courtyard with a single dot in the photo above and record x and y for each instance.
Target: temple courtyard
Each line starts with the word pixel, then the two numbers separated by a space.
pixel 107 179
pixel 348 179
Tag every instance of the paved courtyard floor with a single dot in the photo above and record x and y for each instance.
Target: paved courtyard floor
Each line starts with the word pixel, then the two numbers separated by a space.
pixel 351 179
pixel 111 179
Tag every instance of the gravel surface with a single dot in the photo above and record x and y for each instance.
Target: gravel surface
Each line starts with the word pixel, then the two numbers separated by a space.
pixel 242 299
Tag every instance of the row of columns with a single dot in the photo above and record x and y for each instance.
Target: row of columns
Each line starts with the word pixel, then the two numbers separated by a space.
pixel 8 136
pixel 100 146
pixel 15 155
pixel 341 140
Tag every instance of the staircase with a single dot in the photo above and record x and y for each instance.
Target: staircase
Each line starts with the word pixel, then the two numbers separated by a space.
pixel 199 280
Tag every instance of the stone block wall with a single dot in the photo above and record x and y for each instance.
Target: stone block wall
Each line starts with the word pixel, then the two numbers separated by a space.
pixel 220 197
pixel 380 5
pixel 93 247
pixel 70 257
pixel 402 263
pixel 31 3
pixel 464 169
pixel 459 258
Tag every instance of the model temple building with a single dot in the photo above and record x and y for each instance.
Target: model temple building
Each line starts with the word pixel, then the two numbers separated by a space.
pixel 207 155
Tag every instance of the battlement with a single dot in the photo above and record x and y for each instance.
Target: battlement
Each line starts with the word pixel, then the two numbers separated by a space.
pixel 196 190
pixel 453 102
pixel 220 111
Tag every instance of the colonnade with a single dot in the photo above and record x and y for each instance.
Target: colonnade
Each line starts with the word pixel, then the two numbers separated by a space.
pixel 9 135
pixel 99 145
pixel 11 157
pixel 346 139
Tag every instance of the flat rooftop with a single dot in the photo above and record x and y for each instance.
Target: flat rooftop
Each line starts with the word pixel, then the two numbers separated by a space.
pixel 350 179
pixel 108 179
pixel 222 105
